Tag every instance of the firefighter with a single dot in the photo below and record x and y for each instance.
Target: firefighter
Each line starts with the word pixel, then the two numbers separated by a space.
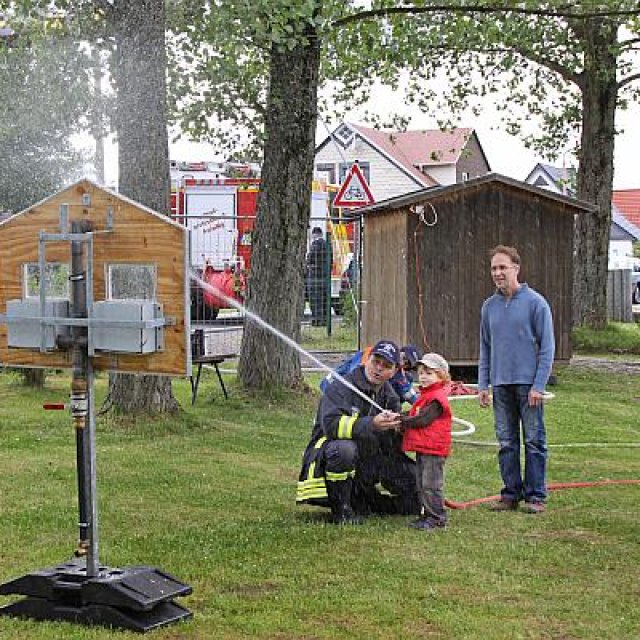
pixel 354 463
pixel 317 277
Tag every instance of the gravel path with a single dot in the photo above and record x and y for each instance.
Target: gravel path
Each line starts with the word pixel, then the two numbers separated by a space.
pixel 629 366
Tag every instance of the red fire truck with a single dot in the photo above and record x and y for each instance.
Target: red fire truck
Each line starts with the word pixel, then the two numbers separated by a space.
pixel 220 211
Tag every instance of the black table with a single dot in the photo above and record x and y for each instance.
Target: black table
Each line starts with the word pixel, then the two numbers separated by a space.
pixel 210 360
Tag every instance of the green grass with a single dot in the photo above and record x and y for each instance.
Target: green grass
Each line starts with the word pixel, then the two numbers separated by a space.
pixel 209 497
pixel 616 338
pixel 343 338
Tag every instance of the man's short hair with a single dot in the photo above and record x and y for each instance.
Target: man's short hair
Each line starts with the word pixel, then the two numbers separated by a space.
pixel 507 251
pixel 316 231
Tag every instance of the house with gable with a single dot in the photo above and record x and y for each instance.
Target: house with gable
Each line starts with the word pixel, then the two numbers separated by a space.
pixel 627 202
pixel 623 232
pixel 558 179
pixel 399 162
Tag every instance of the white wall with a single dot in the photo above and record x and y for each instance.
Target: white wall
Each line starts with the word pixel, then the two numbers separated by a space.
pixel 386 180
pixel 620 254
pixel 445 174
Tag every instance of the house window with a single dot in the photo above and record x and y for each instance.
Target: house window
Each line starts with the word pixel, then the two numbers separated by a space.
pixel 131 282
pixel 364 167
pixel 56 280
pixel 465 176
pixel 326 172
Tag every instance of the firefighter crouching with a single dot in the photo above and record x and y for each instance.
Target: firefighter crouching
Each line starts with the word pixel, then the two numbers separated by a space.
pixel 354 463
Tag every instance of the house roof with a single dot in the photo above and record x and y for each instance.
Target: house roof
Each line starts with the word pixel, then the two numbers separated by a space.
pixel 562 177
pixel 627 201
pixel 625 224
pixel 432 147
pixel 436 192
pixel 411 149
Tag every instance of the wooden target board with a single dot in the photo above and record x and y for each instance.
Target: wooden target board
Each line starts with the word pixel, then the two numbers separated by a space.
pixel 126 235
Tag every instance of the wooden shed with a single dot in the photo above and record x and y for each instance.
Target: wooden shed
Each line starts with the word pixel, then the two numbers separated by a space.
pixel 127 237
pixel 426 261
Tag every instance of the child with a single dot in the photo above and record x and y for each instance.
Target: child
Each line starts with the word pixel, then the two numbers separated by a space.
pixel 427 431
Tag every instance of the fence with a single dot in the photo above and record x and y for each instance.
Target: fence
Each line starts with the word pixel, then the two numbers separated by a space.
pixel 221 255
pixel 619 295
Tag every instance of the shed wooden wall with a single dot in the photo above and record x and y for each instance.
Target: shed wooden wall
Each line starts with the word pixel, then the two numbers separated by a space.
pixel 139 236
pixel 384 281
pixel 451 275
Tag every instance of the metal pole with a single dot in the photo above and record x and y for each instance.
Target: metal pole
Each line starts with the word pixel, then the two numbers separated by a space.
pixel 93 563
pixel 357 269
pixel 81 377
pixel 327 284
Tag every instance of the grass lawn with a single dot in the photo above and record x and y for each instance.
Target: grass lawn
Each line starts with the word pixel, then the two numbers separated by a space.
pixel 209 497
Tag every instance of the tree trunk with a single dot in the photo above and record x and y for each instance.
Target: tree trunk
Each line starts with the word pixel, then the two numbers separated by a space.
pixel 276 280
pixel 143 155
pixel 34 377
pixel 595 174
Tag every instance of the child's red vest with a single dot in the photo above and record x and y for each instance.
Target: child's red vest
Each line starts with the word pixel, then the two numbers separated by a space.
pixel 436 438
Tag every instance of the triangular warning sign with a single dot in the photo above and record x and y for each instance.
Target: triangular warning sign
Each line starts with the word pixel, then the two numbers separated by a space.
pixel 354 191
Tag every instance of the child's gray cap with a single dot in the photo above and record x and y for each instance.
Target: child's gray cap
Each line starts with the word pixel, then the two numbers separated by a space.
pixel 434 361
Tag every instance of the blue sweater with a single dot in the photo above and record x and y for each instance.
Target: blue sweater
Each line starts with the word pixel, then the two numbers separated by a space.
pixel 516 340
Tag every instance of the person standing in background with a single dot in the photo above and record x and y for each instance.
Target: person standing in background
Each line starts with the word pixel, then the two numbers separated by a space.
pixel 516 356
pixel 317 277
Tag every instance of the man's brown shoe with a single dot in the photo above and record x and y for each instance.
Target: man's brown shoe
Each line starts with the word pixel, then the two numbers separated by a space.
pixel 504 505
pixel 533 507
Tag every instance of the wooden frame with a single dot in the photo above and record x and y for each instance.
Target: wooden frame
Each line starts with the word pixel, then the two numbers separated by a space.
pixel 138 235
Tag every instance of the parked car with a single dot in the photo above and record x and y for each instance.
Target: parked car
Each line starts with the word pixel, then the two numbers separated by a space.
pixel 635 283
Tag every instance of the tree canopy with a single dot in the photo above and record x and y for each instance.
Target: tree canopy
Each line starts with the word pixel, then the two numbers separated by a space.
pixel 568 66
pixel 46 93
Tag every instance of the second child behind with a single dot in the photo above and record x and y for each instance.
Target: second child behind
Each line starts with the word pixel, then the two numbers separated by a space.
pixel 427 432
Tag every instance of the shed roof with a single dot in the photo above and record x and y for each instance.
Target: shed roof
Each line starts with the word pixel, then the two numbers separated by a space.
pixel 165 219
pixel 434 193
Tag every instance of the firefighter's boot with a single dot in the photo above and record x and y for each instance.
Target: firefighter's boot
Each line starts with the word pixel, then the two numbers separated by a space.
pixel 339 494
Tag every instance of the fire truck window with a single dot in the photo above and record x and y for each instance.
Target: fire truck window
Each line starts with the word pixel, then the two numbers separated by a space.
pixel 131 282
pixel 56 280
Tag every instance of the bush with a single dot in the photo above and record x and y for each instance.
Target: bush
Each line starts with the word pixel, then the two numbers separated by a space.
pixel 616 337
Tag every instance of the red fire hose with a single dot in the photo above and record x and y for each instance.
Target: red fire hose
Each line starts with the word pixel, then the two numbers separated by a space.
pixel 556 486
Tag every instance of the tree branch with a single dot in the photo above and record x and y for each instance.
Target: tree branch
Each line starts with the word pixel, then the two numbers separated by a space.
pixel 563 11
pixel 631 41
pixel 561 70
pixel 628 80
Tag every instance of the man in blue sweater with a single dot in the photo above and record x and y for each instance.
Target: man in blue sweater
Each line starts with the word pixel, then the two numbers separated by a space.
pixel 516 356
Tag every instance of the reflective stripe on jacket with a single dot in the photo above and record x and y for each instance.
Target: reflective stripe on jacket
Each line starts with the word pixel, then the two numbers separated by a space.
pixel 343 415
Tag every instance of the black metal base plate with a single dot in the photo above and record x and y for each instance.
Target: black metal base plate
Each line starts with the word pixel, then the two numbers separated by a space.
pixel 137 598
pixel 98 614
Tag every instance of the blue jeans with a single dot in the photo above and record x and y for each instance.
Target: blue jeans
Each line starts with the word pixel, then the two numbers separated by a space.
pixel 511 408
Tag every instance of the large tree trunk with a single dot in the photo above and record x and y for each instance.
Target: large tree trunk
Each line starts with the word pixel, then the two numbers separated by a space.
pixel 595 174
pixel 143 157
pixel 276 280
